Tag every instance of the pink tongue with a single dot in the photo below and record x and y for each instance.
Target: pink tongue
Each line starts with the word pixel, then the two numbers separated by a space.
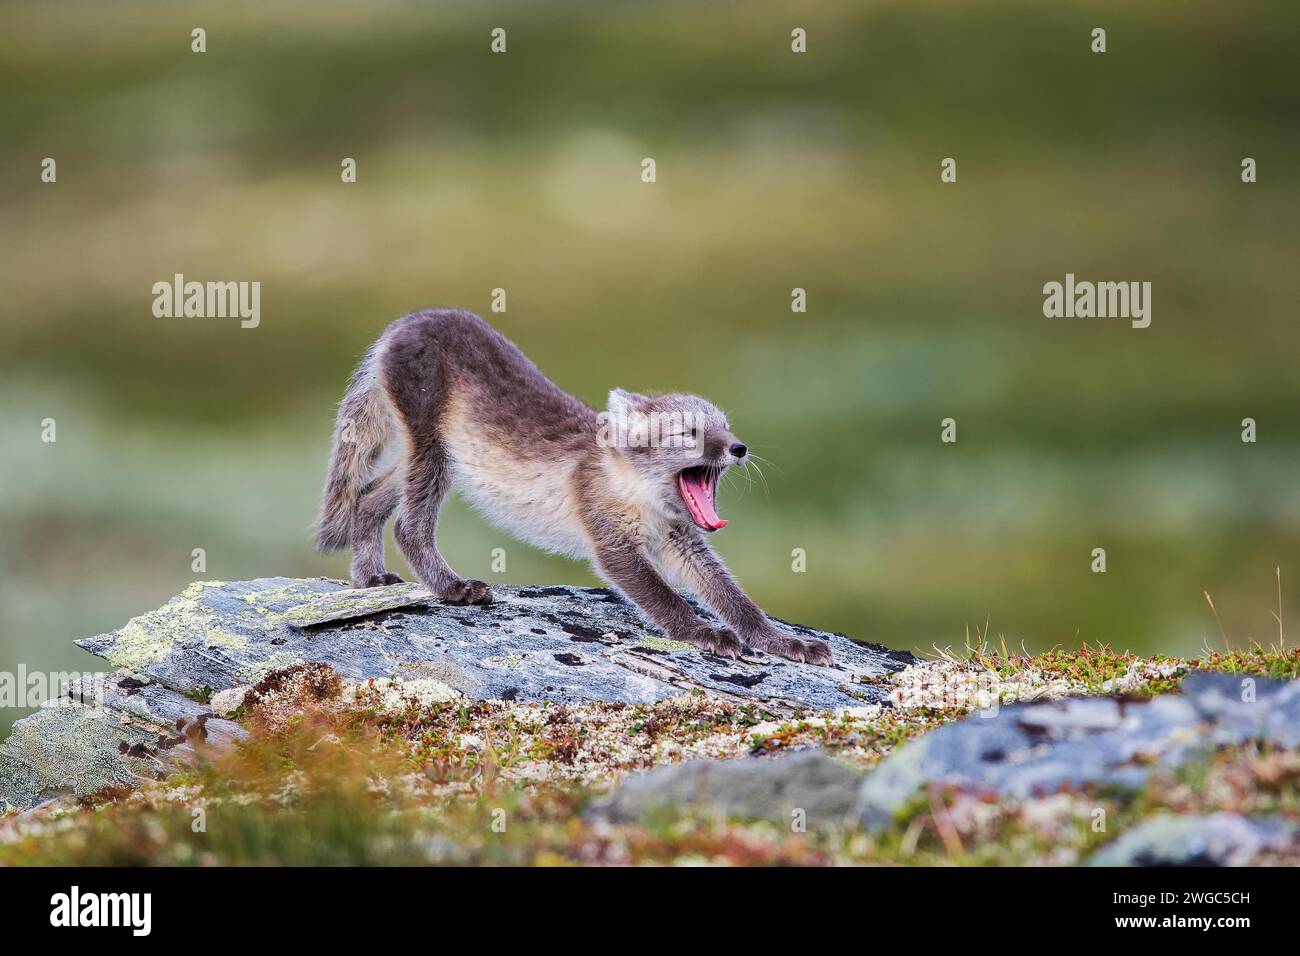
pixel 699 499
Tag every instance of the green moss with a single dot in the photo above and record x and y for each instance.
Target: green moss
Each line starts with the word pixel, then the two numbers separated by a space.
pixel 216 637
pixel 195 590
pixel 351 603
pixel 1279 663
pixel 149 638
pixel 284 593
pixel 254 672
pixel 663 644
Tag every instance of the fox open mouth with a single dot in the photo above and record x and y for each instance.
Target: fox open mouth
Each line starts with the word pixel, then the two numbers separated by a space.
pixel 699 489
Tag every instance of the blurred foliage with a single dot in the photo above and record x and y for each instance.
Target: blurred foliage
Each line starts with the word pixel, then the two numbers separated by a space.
pixel 774 171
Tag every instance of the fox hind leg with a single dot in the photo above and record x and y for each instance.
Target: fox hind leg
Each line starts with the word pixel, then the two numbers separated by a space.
pixel 414 376
pixel 426 485
pixel 375 505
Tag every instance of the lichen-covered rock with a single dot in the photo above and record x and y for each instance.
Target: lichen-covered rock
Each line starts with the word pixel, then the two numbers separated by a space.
pixel 218 640
pixel 563 644
pixel 1025 750
pixel 1219 839
pixel 106 730
pixel 1240 707
pixel 806 789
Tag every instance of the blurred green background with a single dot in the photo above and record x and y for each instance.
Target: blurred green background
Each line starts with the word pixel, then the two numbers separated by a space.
pixel 775 170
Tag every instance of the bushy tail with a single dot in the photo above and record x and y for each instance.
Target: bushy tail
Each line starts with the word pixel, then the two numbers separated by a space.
pixel 361 432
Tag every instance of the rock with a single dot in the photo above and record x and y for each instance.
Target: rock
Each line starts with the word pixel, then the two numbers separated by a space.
pixel 214 640
pixel 1220 839
pixel 752 788
pixel 226 702
pixel 1247 708
pixel 563 644
pixel 1024 750
pixel 107 730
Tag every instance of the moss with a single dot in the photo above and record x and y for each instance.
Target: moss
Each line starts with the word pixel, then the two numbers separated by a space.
pixel 1279 663
pixel 256 671
pixel 341 605
pixel 663 644
pixel 953 687
pixel 216 637
pixel 281 594
pixel 195 590
pixel 149 638
pixel 397 693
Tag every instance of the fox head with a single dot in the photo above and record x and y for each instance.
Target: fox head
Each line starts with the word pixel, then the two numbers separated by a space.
pixel 679 445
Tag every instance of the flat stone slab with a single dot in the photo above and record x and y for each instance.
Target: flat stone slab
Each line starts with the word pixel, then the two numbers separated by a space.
pixel 1026 750
pixel 562 644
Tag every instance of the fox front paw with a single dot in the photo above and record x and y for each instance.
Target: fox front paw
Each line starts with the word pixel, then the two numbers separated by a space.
pixel 469 591
pixel 816 652
pixel 721 641
pixel 377 580
pixel 805 650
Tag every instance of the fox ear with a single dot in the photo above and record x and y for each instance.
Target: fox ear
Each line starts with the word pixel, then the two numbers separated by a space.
pixel 623 404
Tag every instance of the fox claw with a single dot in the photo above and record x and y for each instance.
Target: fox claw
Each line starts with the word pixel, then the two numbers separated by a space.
pixel 804 650
pixel 380 580
pixel 721 641
pixel 469 591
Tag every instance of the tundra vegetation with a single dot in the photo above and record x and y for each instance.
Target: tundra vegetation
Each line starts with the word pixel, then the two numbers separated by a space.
pixel 338 772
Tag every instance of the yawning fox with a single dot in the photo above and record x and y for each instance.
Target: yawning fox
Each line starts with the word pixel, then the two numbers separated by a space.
pixel 442 400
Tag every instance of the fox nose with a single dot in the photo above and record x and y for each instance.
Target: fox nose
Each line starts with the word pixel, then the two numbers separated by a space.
pixel 739 450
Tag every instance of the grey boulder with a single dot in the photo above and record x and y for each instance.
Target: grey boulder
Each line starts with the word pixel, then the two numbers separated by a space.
pixel 1026 750
pixel 1219 839
pixel 806 788
pixel 562 644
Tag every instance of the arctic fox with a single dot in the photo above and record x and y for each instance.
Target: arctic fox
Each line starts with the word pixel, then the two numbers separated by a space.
pixel 442 400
